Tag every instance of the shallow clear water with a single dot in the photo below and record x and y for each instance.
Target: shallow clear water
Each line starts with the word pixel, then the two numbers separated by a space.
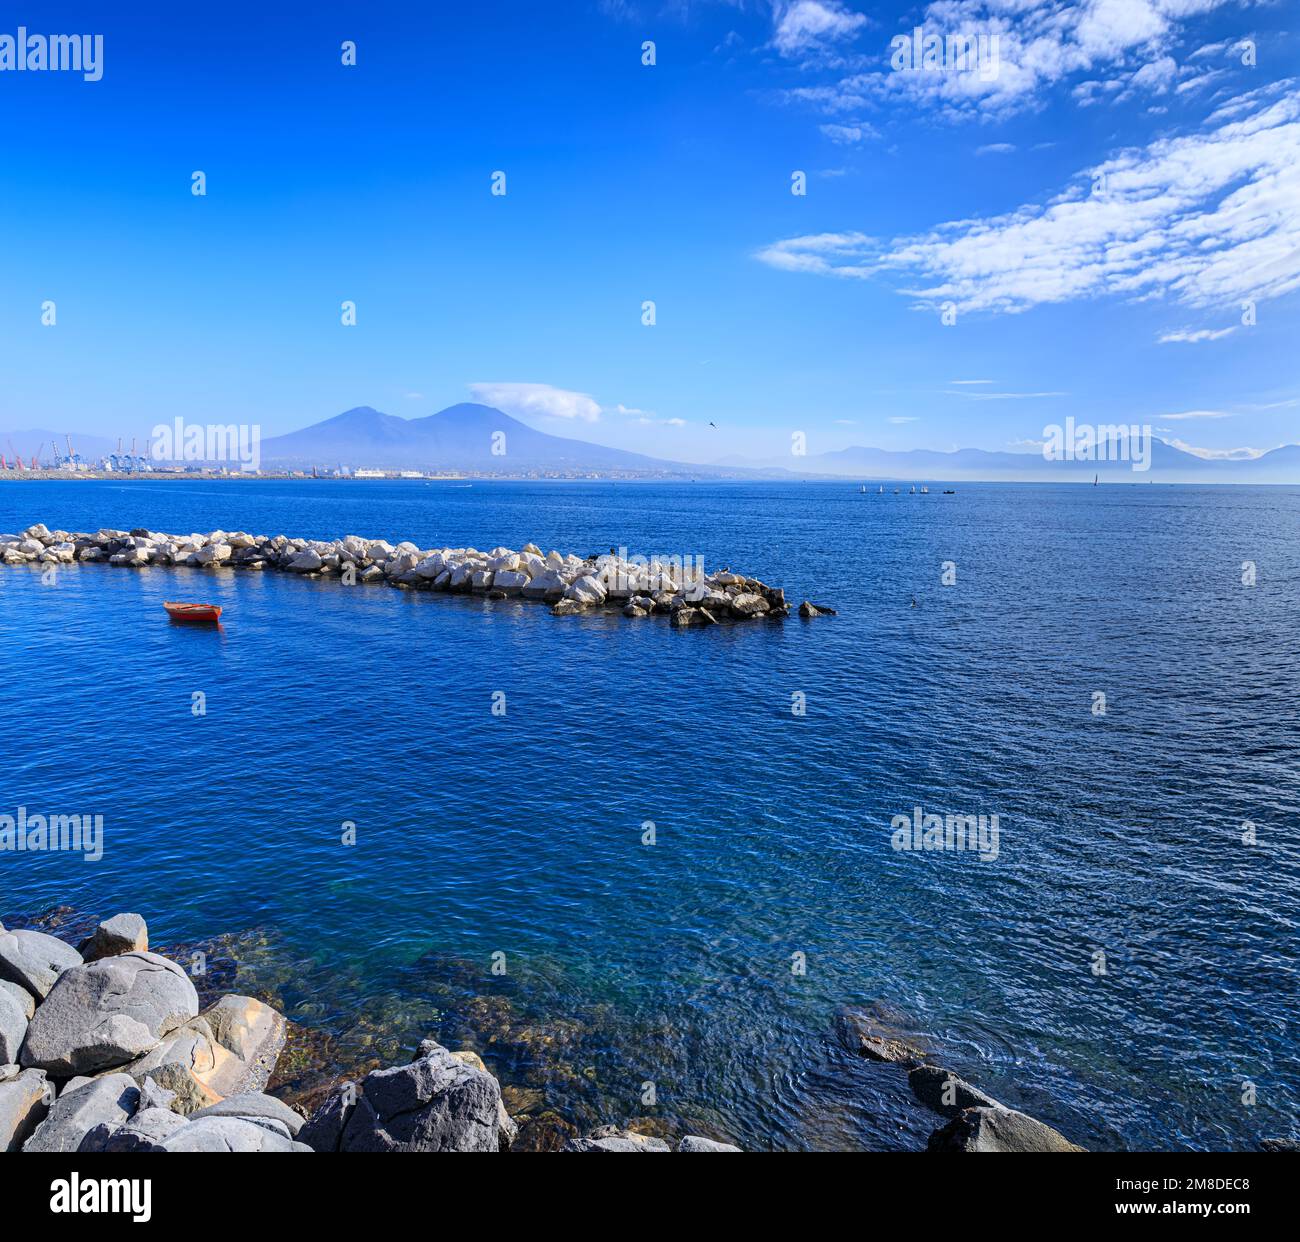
pixel 521 834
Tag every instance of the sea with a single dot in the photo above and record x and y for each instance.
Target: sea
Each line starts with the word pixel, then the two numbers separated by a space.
pixel 654 875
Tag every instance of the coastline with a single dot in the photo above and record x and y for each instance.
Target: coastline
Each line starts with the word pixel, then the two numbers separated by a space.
pixel 199 1074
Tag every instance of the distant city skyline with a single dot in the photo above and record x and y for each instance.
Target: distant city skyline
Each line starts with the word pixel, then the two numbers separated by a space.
pixel 1110 221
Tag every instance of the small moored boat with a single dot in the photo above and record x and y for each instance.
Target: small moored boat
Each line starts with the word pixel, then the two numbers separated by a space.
pixel 192 612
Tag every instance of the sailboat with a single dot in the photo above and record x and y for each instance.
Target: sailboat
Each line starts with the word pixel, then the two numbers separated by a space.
pixel 1095 477
pixel 925 491
pixel 882 489
pixel 863 489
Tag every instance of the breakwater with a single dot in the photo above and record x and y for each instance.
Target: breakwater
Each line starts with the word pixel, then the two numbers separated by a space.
pixel 638 586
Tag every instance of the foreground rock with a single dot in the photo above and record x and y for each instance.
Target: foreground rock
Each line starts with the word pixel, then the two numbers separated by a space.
pixel 636 586
pixel 107 1012
pixel 612 1139
pixel 229 1049
pixel 123 933
pixel 997 1129
pixel 436 1103
pixel 34 960
pixel 24 1102
pixel 109 1101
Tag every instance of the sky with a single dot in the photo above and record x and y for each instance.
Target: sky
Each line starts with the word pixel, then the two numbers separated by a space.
pixel 1097 215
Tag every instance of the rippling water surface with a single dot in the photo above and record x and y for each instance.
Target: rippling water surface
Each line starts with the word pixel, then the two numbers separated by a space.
pixel 521 834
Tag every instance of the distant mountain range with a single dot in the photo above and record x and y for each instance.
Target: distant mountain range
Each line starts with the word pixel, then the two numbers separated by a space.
pixel 478 439
pixel 469 438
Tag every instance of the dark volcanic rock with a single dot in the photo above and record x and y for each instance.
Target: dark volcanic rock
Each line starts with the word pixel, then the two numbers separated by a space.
pixel 997 1129
pixel 944 1092
pixel 437 1103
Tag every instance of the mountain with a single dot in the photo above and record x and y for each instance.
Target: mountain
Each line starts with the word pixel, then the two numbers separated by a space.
pixel 468 438
pixel 1168 465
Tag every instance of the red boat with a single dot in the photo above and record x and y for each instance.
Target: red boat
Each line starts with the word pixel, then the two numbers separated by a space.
pixel 192 612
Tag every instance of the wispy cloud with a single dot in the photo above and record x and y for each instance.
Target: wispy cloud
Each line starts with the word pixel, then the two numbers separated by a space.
pixel 899 419
pixel 996 148
pixel 1205 219
pixel 1189 336
pixel 1005 396
pixel 1191 414
pixel 847 135
pixel 1121 47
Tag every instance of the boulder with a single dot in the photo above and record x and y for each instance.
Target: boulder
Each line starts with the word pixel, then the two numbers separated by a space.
pixel 106 1101
pixel 106 1012
pixel 997 1129
pixel 611 1138
pixel 587 590
pixel 567 608
pixel 227 1134
pixel 436 1103
pixel 809 610
pixel 13 1026
pixel 308 562
pixel 34 960
pixel 123 933
pixel 512 582
pixel 145 1132
pixel 693 1143
pixel 253 1031
pixel 547 585
pixel 251 1106
pixel 24 1102
pixel 944 1092
pixel 230 1049
pixel 746 604
pixel 213 554
pixel 324 1129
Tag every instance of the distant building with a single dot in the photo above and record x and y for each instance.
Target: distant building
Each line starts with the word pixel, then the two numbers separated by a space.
pixel 369 474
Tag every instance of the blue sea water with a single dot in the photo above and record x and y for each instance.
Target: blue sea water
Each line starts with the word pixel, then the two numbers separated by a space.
pixel 482 834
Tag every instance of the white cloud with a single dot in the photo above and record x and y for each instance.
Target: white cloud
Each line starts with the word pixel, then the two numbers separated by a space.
pixel 1124 44
pixel 805 24
pixel 1205 219
pixel 1192 336
pixel 899 419
pixel 1190 414
pixel 538 400
pixel 996 148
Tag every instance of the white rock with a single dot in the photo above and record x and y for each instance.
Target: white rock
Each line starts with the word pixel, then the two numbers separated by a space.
pixel 587 590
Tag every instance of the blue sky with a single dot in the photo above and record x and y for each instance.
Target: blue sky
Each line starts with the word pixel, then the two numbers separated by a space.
pixel 776 313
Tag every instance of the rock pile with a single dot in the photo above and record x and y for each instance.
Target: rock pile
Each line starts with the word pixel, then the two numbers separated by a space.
pixel 105 1050
pixel 638 586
